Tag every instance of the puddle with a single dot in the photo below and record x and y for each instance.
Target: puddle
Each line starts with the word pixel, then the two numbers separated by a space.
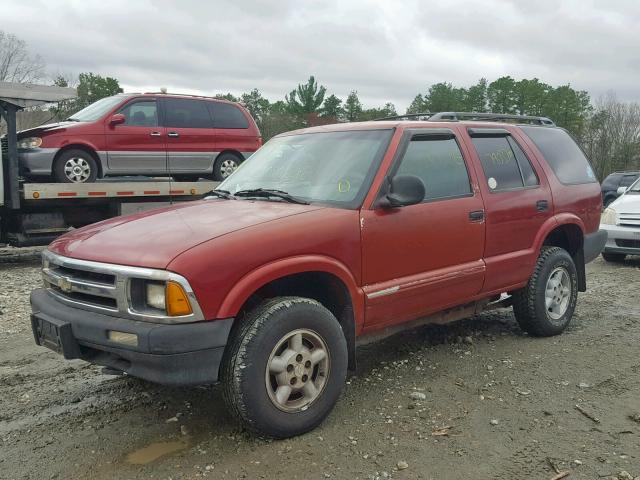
pixel 154 451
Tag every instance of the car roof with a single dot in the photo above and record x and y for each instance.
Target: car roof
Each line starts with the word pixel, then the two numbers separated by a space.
pixel 404 124
pixel 178 95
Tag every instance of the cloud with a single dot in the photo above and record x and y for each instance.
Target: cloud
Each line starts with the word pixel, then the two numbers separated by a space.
pixel 386 50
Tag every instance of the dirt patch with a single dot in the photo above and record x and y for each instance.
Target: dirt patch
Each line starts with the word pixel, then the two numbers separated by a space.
pixel 475 399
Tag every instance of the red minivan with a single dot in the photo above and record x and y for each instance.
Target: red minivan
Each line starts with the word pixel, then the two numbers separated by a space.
pixel 154 134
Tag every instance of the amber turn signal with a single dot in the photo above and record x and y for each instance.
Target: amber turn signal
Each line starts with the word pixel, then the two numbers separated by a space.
pixel 176 300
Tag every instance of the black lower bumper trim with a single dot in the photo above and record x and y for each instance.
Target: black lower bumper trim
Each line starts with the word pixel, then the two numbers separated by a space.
pixel 176 354
pixel 593 244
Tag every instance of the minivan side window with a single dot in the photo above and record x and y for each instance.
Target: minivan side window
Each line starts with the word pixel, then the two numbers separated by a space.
pixel 141 114
pixel 504 163
pixel 226 115
pixel 439 164
pixel 563 155
pixel 186 113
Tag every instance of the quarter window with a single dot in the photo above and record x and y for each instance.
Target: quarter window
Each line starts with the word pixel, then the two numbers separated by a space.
pixel 226 115
pixel 439 164
pixel 141 114
pixel 504 163
pixel 186 113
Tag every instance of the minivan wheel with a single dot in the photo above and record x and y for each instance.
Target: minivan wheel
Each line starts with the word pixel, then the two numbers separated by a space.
pixel 614 257
pixel 75 166
pixel 225 165
pixel 284 367
pixel 546 305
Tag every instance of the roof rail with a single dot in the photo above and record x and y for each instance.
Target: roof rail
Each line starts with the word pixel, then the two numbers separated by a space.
pixel 182 95
pixel 488 117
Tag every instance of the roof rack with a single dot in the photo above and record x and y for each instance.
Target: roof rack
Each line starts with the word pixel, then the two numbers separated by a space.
pixel 488 117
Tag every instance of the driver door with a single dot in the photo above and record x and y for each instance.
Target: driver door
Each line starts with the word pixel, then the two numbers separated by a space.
pixel 422 258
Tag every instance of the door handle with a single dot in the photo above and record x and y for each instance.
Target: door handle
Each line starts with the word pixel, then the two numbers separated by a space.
pixel 476 216
pixel 173 134
pixel 542 205
pixel 155 134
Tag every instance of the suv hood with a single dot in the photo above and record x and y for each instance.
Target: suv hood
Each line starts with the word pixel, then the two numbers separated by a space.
pixel 627 203
pixel 154 238
pixel 48 128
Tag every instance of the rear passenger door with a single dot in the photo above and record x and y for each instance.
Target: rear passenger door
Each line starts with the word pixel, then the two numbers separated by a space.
pixel 517 202
pixel 422 258
pixel 190 138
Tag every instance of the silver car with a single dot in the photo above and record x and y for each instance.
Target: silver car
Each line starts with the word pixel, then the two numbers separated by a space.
pixel 621 220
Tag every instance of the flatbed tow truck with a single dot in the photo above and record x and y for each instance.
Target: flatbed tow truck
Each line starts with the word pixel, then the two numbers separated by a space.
pixel 36 213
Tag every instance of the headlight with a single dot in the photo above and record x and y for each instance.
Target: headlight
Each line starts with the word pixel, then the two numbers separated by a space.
pixel 609 217
pixel 167 298
pixel 30 142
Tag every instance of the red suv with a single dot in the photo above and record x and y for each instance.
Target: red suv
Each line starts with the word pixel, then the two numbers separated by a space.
pixel 325 238
pixel 182 136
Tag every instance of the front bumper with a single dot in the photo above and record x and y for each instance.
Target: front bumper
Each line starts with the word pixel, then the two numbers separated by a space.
pixel 624 240
pixel 176 354
pixel 37 161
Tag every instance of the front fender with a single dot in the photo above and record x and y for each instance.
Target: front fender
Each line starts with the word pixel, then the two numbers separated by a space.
pixel 269 272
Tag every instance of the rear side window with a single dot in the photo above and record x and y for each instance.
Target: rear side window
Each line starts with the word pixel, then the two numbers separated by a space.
pixel 504 163
pixel 439 164
pixel 226 115
pixel 186 113
pixel 141 114
pixel 562 154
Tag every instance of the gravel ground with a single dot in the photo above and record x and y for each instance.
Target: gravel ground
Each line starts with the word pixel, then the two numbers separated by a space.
pixel 475 399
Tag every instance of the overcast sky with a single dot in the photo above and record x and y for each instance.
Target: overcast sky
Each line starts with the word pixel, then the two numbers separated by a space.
pixel 386 50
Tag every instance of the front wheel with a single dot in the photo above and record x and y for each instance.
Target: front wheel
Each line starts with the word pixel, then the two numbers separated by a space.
pixel 75 166
pixel 285 367
pixel 546 305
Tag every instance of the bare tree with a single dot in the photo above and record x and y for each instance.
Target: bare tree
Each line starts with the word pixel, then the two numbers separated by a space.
pixel 17 64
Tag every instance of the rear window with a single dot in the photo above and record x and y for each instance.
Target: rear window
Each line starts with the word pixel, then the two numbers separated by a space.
pixel 226 115
pixel 186 113
pixel 562 154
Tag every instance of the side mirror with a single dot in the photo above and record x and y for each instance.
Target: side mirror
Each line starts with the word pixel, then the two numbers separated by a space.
pixel 621 190
pixel 117 119
pixel 404 190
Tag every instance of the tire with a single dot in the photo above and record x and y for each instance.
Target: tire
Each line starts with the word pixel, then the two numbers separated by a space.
pixel 535 313
pixel 249 388
pixel 614 257
pixel 75 166
pixel 225 165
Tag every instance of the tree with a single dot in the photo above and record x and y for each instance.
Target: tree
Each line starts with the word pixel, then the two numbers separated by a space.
pixel 389 110
pixel 418 105
pixel 501 95
pixel 352 106
pixel 93 87
pixel 306 98
pixel 227 96
pixel 443 97
pixel 569 108
pixel 332 108
pixel 257 105
pixel 17 64
pixel 476 98
pixel 531 96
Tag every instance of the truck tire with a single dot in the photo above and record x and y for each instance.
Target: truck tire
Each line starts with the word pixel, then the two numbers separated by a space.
pixel 225 165
pixel 614 257
pixel 545 306
pixel 75 166
pixel 284 367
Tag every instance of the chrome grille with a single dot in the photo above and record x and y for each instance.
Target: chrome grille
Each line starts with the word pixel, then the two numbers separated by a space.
pixel 629 219
pixel 106 287
pixel 621 242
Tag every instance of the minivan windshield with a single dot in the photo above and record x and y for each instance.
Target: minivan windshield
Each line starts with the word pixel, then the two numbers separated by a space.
pixel 328 167
pixel 96 110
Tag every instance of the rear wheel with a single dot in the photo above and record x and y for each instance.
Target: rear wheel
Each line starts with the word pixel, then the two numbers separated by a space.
pixel 225 165
pixel 614 257
pixel 285 367
pixel 546 305
pixel 75 166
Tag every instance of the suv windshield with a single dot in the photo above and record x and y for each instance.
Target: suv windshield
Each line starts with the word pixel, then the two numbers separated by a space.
pixel 97 109
pixel 635 187
pixel 327 167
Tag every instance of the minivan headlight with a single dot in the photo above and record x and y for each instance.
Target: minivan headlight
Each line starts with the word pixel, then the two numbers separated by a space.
pixel 609 217
pixel 30 142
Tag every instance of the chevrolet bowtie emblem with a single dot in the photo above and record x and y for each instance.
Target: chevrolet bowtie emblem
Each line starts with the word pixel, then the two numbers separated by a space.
pixel 64 285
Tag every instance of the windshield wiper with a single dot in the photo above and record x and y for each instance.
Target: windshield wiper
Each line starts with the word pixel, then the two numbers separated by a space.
pixel 267 192
pixel 222 194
